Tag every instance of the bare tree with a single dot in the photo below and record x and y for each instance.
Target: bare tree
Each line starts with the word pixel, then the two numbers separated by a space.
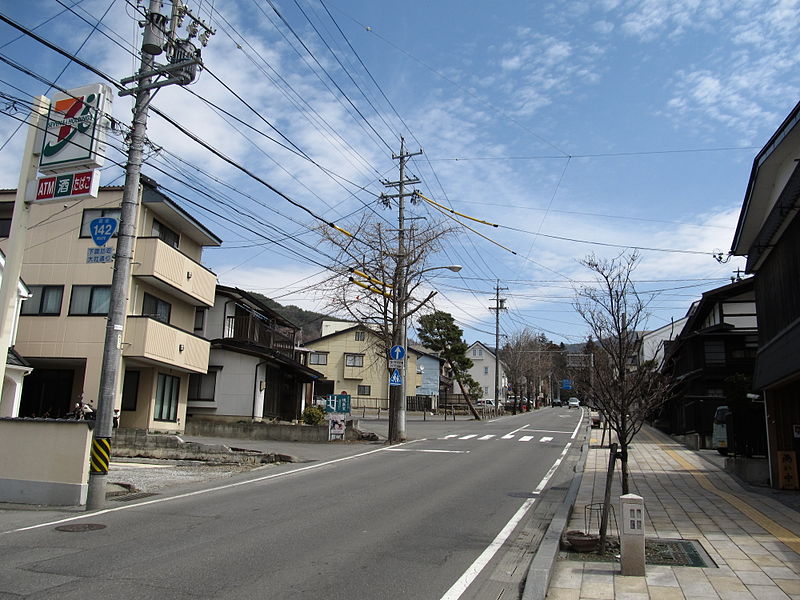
pixel 517 356
pixel 625 391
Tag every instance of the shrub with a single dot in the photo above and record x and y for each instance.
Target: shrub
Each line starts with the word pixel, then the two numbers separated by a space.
pixel 313 415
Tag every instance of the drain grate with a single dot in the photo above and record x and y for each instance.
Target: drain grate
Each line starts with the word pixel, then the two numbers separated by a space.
pixel 134 496
pixel 657 551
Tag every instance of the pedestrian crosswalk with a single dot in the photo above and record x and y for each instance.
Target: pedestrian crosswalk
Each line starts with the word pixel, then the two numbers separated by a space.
pixel 519 436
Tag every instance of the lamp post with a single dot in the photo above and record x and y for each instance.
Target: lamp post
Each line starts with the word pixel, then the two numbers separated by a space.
pixel 397 394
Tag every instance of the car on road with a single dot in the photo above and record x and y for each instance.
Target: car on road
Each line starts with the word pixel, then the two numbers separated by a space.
pixel 573 403
pixel 556 402
pixel 594 417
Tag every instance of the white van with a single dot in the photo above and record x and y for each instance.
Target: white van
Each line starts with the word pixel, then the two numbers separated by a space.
pixel 719 438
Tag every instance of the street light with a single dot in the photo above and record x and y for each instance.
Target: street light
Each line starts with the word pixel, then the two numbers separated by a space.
pixel 399 397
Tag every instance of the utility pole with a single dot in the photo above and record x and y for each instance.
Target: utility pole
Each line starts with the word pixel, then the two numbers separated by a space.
pixel 499 304
pixel 397 393
pixel 183 62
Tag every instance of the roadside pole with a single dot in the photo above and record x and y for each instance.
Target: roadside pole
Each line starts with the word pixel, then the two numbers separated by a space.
pixel 182 69
pixel 16 242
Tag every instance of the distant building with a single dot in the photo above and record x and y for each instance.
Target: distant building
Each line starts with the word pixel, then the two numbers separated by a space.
pixel 483 371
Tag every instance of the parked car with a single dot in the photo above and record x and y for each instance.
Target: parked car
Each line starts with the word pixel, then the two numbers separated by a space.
pixel 556 402
pixel 484 402
pixel 719 437
pixel 574 403
pixel 594 417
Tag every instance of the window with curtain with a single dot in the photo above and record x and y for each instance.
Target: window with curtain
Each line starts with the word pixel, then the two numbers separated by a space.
pixel 167 392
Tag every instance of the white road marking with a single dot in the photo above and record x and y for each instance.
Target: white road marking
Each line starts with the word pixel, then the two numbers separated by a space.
pixel 508 436
pixel 546 439
pixel 460 586
pixel 526 438
pixel 468 437
pixel 486 437
pixel 447 437
pixel 97 513
pixel 428 450
pixel 578 426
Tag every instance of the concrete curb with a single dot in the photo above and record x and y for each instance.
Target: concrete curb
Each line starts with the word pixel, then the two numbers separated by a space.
pixel 541 567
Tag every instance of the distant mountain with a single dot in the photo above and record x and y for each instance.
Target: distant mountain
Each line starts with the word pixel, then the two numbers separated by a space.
pixel 309 321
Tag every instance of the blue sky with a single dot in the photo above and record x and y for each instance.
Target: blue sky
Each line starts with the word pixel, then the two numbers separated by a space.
pixel 626 123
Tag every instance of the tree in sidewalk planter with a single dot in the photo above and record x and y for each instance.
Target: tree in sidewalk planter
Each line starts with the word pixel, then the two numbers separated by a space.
pixel 372 286
pixel 438 332
pixel 626 389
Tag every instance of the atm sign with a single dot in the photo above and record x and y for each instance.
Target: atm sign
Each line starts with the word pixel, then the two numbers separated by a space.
pixel 68 186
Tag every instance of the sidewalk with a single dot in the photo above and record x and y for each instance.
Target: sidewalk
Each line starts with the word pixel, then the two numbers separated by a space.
pixel 753 539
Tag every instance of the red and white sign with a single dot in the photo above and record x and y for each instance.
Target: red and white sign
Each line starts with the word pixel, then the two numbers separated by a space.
pixel 66 186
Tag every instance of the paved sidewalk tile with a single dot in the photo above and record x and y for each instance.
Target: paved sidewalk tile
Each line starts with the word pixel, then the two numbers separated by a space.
pixel 749 536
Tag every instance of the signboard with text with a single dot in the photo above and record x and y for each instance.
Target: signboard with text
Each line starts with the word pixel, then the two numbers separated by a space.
pixel 74 133
pixel 65 186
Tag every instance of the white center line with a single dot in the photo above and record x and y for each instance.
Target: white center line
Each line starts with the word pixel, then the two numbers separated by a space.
pixel 526 438
pixel 432 451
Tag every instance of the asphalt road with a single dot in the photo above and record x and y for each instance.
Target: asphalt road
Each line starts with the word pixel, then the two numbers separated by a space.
pixel 451 514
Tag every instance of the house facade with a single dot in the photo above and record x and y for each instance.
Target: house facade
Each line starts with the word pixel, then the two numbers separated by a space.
pixel 16 366
pixel 712 363
pixel 429 377
pixel 483 371
pixel 256 369
pixel 62 325
pixel 768 234
pixel 353 362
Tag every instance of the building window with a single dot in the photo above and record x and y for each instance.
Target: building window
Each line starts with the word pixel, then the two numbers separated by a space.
pixel 485 370
pixel 199 318
pixel 318 358
pixel 130 390
pixel 354 360
pixel 364 390
pixel 167 391
pixel 165 234
pixel 90 299
pixel 155 308
pixel 714 352
pixel 90 214
pixel 202 387
pixel 361 336
pixel 5 227
pixel 45 300
pixel 486 390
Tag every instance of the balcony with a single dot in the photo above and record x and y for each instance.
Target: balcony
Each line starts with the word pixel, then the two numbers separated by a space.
pixel 248 328
pixel 157 342
pixel 166 268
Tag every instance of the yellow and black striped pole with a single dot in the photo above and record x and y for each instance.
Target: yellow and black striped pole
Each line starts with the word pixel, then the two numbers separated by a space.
pixel 100 456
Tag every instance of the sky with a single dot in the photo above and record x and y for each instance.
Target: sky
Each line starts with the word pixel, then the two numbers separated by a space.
pixel 576 127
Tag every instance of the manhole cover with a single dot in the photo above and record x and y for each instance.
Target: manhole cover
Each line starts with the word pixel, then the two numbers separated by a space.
pixel 79 527
pixel 134 496
pixel 523 494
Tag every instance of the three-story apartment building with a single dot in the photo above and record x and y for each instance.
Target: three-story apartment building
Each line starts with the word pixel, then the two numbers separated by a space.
pixel 62 326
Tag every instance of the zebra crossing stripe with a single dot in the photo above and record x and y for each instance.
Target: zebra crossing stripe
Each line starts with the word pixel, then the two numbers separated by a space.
pixel 526 438
pixel 468 437
pixel 508 436
pixel 486 437
pixel 546 439
pixel 448 437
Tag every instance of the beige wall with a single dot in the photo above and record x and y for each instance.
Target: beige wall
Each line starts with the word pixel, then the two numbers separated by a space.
pixel 44 462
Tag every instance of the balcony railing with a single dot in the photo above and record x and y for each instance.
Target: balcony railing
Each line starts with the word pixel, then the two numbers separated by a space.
pixel 156 341
pixel 167 266
pixel 248 328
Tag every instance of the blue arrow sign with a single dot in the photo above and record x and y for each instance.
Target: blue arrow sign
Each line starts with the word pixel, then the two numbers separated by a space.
pixel 102 229
pixel 397 352
pixel 396 378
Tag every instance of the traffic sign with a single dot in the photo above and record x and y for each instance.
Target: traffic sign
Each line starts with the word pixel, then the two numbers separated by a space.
pixel 396 364
pixel 397 352
pixel 102 229
pixel 396 379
